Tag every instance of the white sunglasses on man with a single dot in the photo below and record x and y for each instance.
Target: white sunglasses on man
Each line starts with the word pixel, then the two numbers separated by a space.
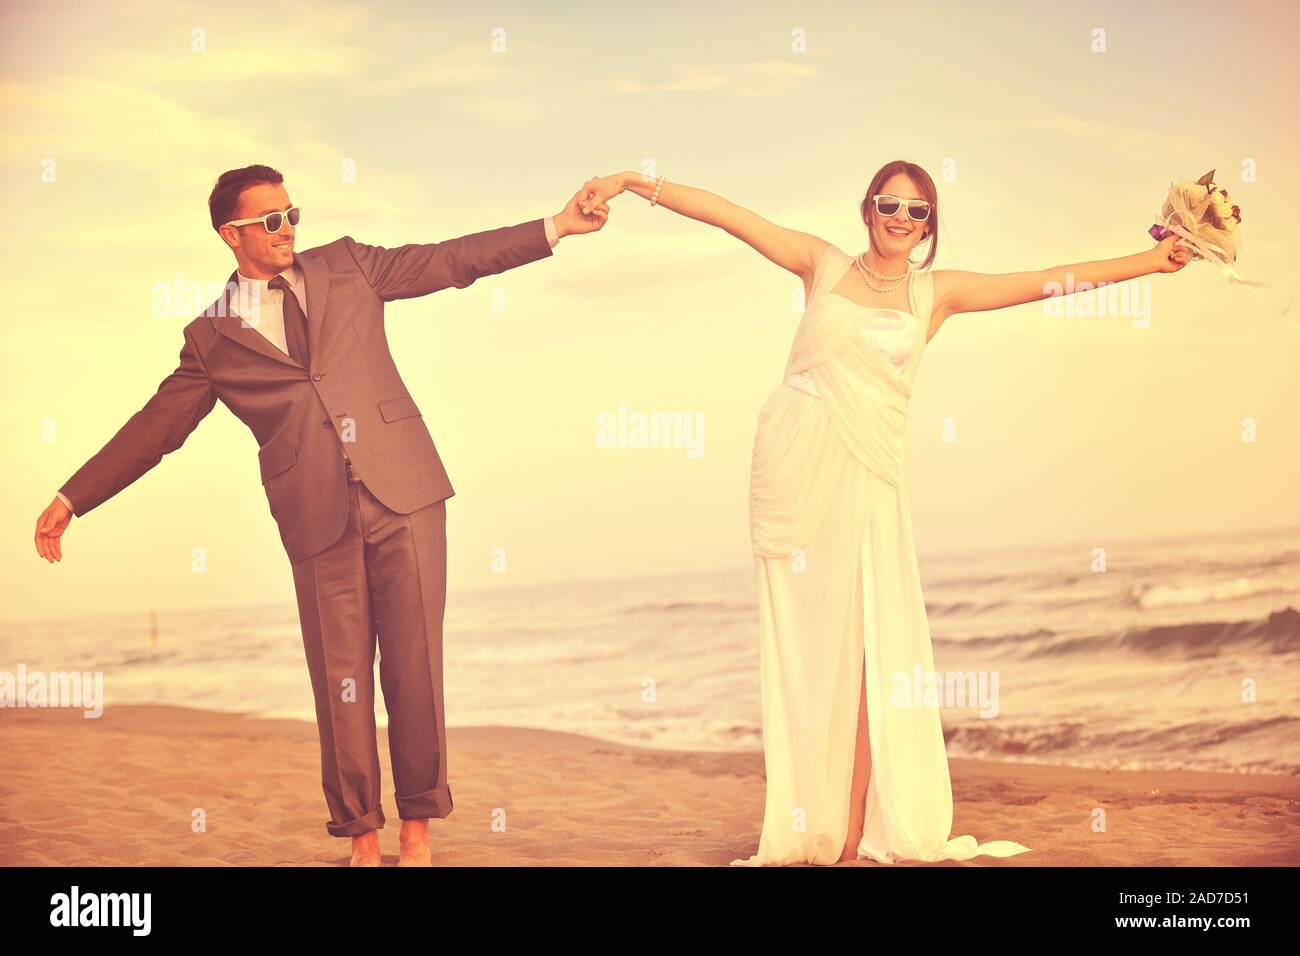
pixel 273 221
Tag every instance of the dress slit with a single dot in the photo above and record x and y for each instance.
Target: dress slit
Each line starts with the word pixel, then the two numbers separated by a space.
pixel 862 707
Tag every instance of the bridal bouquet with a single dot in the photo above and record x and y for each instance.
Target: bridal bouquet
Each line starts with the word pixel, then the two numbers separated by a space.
pixel 1207 222
pixel 1201 214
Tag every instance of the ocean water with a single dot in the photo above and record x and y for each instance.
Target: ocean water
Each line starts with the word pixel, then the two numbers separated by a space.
pixel 1180 654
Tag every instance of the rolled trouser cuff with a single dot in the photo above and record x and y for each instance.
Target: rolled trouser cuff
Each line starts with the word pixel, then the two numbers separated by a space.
pixel 430 803
pixel 362 824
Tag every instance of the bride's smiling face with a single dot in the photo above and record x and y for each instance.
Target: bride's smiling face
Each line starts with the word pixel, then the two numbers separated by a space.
pixel 897 234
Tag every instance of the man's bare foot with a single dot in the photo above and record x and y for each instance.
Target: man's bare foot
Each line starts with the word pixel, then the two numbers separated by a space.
pixel 415 844
pixel 365 849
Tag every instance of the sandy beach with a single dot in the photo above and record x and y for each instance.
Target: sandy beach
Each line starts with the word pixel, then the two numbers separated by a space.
pixel 121 790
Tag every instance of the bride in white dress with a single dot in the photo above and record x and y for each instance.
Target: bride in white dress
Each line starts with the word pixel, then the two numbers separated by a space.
pixel 855 767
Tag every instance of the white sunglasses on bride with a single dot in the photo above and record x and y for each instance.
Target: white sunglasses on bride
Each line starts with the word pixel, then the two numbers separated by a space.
pixel 917 209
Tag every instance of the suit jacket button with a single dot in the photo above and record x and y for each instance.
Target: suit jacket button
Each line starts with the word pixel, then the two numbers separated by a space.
pixel 316 376
pixel 328 423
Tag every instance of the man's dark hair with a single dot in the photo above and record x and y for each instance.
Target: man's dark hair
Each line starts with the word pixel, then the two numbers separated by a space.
pixel 225 194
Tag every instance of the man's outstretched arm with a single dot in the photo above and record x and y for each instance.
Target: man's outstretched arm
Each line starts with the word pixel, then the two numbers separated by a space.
pixel 416 269
pixel 183 399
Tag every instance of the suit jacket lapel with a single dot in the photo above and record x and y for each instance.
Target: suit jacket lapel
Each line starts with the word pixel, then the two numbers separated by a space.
pixel 229 323
pixel 318 286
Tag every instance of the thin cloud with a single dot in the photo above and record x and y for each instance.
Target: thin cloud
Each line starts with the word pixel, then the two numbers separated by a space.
pixel 1133 142
pixel 764 78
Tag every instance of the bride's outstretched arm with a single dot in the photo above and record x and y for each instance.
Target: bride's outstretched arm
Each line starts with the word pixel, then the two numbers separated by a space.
pixel 790 249
pixel 956 291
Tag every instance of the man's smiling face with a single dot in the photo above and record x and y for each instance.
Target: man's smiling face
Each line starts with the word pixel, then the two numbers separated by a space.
pixel 261 254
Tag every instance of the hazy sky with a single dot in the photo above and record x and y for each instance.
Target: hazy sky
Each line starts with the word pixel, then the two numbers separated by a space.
pixel 459 118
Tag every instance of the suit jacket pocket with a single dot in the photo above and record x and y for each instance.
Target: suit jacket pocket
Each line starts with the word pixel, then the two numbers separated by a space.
pixel 346 299
pixel 275 458
pixel 398 408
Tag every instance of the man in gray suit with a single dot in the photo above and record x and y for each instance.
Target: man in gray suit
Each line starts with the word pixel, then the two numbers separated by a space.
pixel 295 347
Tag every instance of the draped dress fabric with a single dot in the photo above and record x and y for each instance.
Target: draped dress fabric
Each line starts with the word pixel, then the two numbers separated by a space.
pixel 840 592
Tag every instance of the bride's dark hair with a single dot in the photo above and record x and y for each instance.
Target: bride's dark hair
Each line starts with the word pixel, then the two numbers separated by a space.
pixel 924 185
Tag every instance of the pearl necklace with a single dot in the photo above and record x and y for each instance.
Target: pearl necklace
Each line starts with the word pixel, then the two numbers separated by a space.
pixel 867 272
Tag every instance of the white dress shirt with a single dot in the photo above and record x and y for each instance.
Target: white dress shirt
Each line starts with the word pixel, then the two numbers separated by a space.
pixel 270 312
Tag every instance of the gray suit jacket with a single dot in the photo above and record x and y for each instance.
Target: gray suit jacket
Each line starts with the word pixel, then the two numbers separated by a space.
pixel 352 392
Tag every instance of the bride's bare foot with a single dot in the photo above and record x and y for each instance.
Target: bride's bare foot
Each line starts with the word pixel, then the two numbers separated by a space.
pixel 365 849
pixel 851 844
pixel 415 844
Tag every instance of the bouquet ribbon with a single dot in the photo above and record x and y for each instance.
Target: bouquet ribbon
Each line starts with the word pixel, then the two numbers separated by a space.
pixel 1212 253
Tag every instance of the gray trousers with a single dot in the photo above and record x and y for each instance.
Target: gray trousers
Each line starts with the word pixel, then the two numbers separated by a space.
pixel 385 579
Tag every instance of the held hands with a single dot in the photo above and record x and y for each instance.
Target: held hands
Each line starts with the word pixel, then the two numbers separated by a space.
pixel 1170 254
pixel 579 215
pixel 601 189
pixel 49 529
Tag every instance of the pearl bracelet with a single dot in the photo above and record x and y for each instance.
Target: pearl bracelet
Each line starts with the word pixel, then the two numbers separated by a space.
pixel 654 198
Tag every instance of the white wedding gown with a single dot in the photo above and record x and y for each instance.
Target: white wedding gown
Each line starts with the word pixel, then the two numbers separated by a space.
pixel 839 590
